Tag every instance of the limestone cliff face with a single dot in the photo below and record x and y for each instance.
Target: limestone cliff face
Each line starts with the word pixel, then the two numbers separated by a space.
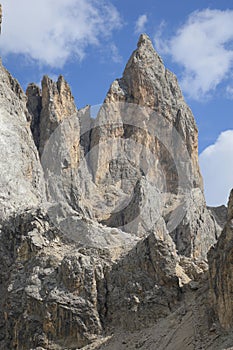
pixel 21 181
pixel 147 82
pixel 221 272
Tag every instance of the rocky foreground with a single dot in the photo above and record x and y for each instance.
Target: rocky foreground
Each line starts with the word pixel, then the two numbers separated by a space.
pixel 106 241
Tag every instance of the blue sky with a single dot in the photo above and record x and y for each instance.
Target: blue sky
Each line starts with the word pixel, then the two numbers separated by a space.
pixel 90 41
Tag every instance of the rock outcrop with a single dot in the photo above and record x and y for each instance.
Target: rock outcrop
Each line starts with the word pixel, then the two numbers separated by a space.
pixel 146 82
pixel 143 286
pixel 198 230
pixel 34 106
pixel 57 294
pixel 220 214
pixel 21 181
pixel 221 272
pixel 49 107
pixel 48 287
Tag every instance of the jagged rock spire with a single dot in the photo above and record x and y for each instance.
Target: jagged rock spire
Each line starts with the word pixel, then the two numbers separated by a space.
pixel 49 107
pixel 144 39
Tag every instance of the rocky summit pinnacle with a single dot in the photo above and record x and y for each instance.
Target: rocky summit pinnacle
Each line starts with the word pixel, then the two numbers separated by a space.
pixel 48 108
pixel 104 229
pixel 144 40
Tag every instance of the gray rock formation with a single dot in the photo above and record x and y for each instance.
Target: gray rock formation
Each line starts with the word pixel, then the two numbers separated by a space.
pixel 146 82
pixel 220 214
pixel 143 286
pixel 48 287
pixel 198 230
pixel 21 181
pixel 221 272
pixel 34 106
pixel 57 294
pixel 49 107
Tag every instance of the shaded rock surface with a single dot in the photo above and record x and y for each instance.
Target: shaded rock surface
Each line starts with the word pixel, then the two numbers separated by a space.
pixel 221 272
pixel 34 106
pixel 198 230
pixel 48 286
pixel 57 295
pixel 189 326
pixel 220 214
pixel 143 286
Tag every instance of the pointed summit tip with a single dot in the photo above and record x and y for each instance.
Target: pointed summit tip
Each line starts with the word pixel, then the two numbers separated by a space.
pixel 144 40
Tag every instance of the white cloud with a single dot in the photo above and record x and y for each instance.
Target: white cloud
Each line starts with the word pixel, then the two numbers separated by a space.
pixel 140 24
pixel 216 163
pixel 203 47
pixel 53 31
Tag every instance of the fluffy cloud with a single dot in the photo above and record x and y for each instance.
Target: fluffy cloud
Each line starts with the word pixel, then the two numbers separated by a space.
pixel 52 31
pixel 216 163
pixel 203 47
pixel 140 24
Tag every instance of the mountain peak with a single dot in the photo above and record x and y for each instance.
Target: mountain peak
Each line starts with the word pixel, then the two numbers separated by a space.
pixel 144 40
